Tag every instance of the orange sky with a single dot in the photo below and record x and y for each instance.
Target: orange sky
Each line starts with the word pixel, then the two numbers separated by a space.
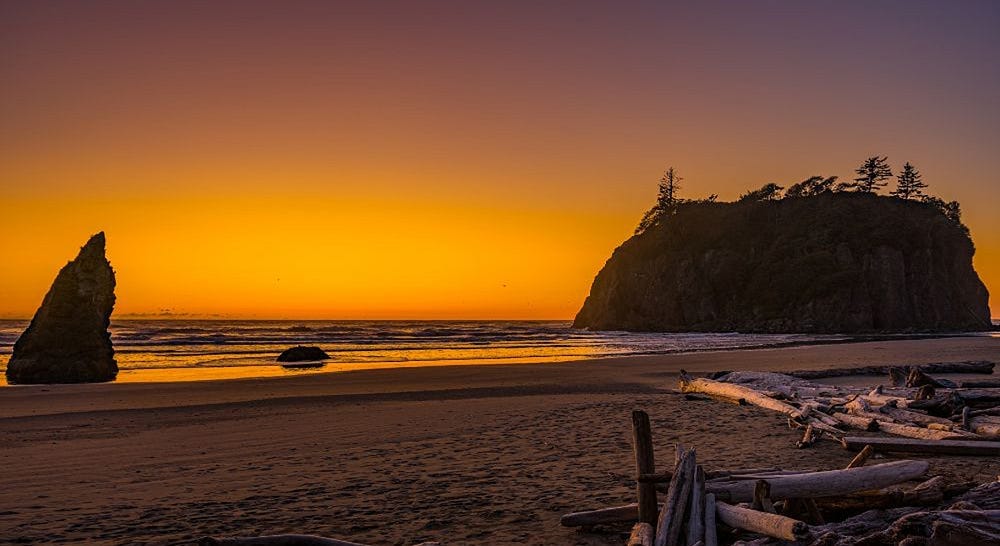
pixel 444 160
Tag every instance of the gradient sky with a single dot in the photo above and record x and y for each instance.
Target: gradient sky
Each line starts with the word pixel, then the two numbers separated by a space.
pixel 457 159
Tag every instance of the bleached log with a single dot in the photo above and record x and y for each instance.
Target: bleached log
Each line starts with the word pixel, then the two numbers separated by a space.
pixel 696 509
pixel 276 540
pixel 909 445
pixel 918 432
pixel 736 392
pixel 984 427
pixel 899 414
pixel 711 533
pixel 826 483
pixel 772 525
pixel 642 535
pixel 853 421
pixel 614 514
pixel 668 527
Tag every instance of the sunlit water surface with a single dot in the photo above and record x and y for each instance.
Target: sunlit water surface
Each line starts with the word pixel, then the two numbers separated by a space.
pixel 175 350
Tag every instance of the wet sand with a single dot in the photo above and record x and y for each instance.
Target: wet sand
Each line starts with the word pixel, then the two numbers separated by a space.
pixel 466 455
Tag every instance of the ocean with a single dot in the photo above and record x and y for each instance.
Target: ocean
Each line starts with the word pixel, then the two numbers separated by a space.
pixel 176 350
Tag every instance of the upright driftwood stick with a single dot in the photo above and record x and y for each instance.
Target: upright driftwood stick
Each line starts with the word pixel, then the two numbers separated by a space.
pixel 696 511
pixel 764 523
pixel 711 536
pixel 668 529
pixel 642 535
pixel 861 457
pixel 642 440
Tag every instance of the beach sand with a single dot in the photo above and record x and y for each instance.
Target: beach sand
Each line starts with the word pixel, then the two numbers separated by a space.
pixel 466 455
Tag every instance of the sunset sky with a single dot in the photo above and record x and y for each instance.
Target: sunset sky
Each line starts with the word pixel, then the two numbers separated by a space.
pixel 322 159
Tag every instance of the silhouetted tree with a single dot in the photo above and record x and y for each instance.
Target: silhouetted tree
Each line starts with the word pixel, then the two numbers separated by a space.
pixel 908 183
pixel 666 199
pixel 767 192
pixel 670 184
pixel 814 185
pixel 872 174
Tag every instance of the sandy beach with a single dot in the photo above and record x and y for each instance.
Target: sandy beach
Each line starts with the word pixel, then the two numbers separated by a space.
pixel 465 455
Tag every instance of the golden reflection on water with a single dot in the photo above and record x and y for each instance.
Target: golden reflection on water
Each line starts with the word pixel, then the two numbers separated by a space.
pixel 217 373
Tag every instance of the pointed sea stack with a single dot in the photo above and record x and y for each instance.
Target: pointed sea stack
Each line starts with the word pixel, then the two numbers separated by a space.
pixel 68 339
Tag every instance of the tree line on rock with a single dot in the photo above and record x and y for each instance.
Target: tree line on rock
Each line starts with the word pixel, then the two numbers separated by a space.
pixel 873 175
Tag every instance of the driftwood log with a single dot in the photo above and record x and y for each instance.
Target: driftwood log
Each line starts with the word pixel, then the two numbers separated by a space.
pixel 642 535
pixel 711 536
pixel 737 393
pixel 614 514
pixel 909 445
pixel 668 528
pixel 696 509
pixel 824 484
pixel 981 366
pixel 765 523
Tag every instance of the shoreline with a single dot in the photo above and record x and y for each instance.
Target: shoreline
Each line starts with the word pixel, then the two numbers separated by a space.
pixel 23 400
pixel 186 374
pixel 489 454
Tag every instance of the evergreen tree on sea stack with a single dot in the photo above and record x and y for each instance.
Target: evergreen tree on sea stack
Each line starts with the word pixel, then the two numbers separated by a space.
pixel 666 199
pixel 872 174
pixel 909 183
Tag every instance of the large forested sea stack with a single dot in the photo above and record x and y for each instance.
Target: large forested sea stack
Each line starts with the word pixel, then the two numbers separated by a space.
pixel 68 339
pixel 835 262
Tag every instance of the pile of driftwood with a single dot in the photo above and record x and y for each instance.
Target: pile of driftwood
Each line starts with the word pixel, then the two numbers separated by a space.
pixel 919 412
pixel 782 506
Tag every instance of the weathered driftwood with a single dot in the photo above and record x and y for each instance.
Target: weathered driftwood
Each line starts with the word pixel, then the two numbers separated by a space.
pixel 762 497
pixel 736 392
pixel 983 367
pixel 853 421
pixel 988 411
pixel 910 445
pixel 696 508
pixel 642 440
pixel 979 384
pixel 933 527
pixel 979 398
pixel 918 432
pixel 772 525
pixel 861 457
pixel 642 535
pixel 614 514
pixel 826 483
pixel 984 427
pixel 917 378
pixel 668 527
pixel 711 536
pixel 899 414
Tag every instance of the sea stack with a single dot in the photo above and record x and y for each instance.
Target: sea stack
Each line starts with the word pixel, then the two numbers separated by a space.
pixel 832 263
pixel 68 339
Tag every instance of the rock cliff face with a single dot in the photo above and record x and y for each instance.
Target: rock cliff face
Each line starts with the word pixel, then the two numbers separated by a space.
pixel 843 262
pixel 68 339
